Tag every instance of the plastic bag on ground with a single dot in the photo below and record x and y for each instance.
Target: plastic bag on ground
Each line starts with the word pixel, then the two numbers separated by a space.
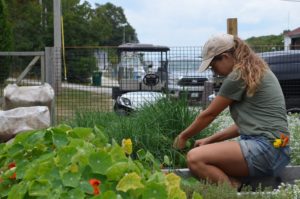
pixel 25 96
pixel 22 119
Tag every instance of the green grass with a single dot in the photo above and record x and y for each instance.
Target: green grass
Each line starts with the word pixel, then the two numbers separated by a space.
pixel 153 128
pixel 68 101
pixel 224 191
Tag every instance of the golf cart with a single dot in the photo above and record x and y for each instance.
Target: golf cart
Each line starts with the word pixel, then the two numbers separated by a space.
pixel 142 76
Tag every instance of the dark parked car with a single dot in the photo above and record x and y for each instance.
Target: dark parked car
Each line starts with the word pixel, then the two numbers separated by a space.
pixel 286 67
pixel 185 79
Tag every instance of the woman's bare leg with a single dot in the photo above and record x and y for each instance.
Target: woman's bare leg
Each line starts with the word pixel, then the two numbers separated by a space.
pixel 218 162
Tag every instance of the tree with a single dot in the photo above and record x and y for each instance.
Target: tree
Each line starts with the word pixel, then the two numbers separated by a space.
pixel 266 43
pixel 109 20
pixel 5 41
pixel 25 17
pixel 77 28
pixel 32 24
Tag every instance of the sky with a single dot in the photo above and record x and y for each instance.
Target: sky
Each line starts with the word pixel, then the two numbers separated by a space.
pixel 192 22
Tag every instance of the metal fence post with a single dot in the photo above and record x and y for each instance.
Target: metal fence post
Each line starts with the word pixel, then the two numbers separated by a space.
pixel 208 90
pixel 51 79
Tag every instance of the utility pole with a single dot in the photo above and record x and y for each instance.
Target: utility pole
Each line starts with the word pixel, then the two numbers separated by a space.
pixel 57 22
pixel 232 26
pixel 57 45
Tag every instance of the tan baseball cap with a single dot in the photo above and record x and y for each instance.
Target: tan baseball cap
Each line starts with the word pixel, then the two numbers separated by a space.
pixel 213 47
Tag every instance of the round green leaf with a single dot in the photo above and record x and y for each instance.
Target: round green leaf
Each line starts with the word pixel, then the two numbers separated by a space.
pixel 155 190
pixel 100 162
pixel 131 181
pixel 70 179
pixel 116 171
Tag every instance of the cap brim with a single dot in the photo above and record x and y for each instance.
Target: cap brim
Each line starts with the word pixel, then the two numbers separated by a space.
pixel 204 64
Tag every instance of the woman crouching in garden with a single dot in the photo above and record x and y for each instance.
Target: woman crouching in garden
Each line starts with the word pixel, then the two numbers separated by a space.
pixel 257 106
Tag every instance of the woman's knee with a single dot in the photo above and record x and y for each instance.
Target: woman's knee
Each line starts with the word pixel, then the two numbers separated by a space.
pixel 194 158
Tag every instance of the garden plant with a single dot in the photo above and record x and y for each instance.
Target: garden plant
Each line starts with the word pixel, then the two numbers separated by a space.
pixel 104 155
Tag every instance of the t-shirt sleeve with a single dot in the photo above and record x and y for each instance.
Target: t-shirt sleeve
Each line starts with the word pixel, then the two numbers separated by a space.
pixel 232 87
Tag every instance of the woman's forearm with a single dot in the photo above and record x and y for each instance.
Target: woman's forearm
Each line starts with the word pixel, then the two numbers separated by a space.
pixel 228 133
pixel 206 117
pixel 201 121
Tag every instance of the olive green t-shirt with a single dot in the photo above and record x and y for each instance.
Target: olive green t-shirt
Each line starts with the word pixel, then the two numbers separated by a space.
pixel 262 114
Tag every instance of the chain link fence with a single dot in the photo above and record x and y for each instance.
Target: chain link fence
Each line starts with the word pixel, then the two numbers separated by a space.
pixel 107 79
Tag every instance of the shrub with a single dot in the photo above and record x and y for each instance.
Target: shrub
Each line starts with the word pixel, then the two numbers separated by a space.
pixel 61 162
pixel 80 66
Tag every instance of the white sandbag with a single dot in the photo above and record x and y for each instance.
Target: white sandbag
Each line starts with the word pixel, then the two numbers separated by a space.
pixel 25 96
pixel 23 119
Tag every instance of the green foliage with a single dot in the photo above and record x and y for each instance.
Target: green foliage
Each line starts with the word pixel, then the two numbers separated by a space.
pixel 27 26
pixel 110 21
pixel 154 127
pixel 294 128
pixel 6 40
pixel 32 24
pixel 81 68
pixel 61 162
pixel 201 189
pixel 266 43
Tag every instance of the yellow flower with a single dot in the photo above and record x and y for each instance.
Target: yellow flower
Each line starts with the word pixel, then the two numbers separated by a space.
pixel 127 146
pixel 277 143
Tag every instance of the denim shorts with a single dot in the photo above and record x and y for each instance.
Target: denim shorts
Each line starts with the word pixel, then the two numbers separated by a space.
pixel 262 157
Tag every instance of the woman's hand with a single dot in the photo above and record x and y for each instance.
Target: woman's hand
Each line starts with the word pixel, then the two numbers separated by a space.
pixel 179 142
pixel 202 142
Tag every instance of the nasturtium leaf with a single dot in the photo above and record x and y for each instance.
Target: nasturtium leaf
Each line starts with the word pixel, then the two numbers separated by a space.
pixel 117 153
pixel 45 169
pixel 84 133
pixel 61 129
pixel 3 190
pixel 86 187
pixel 157 177
pixel 2 146
pixel 196 196
pixel 76 194
pixel 117 170
pixel 133 167
pixel 173 180
pixel 74 168
pixel 15 150
pixel 59 138
pixel 176 193
pixel 18 191
pixel 21 138
pixel 64 127
pixel 21 168
pixel 100 162
pixel 64 156
pixel 76 142
pixel 44 157
pixel 71 179
pixel 100 135
pixel 55 194
pixel 35 137
pixel 39 187
pixel 155 190
pixel 130 181
pixel 108 195
pixel 30 172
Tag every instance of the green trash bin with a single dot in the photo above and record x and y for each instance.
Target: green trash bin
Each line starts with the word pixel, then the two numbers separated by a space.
pixel 97 76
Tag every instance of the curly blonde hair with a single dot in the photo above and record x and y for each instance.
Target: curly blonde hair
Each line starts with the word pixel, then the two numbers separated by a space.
pixel 251 68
